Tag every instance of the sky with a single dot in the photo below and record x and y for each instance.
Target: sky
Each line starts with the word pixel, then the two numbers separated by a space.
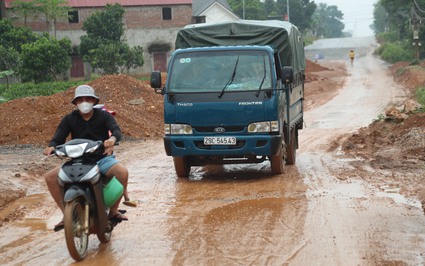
pixel 358 15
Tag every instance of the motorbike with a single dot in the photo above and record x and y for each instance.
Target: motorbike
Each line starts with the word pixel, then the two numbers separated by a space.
pixel 87 195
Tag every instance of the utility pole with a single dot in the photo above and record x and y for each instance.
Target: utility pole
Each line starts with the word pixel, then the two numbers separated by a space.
pixel 243 9
pixel 287 9
pixel 416 42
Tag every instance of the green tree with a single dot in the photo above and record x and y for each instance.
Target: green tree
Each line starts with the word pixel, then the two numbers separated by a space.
pixel 15 37
pixel 399 14
pixel 52 10
pixel 23 8
pixel 380 18
pixel 103 46
pixel 9 58
pixel 270 8
pixel 45 60
pixel 9 61
pixel 327 21
pixel 300 12
pixel 252 9
pixel 133 57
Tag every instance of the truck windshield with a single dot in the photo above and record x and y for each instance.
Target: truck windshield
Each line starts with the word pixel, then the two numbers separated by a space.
pixel 211 71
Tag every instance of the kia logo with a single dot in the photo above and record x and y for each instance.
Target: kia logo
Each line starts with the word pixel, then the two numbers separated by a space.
pixel 219 130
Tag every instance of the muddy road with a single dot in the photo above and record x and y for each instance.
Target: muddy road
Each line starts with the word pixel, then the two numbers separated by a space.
pixel 322 211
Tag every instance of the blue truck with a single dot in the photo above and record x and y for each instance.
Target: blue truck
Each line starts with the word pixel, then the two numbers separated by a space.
pixel 233 94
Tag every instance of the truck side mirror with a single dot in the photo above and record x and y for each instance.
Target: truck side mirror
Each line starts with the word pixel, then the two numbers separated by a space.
pixel 156 81
pixel 287 74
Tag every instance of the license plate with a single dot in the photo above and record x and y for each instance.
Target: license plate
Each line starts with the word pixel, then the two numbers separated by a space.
pixel 220 141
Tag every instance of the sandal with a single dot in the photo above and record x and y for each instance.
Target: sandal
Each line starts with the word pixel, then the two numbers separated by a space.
pixel 59 226
pixel 130 203
pixel 119 217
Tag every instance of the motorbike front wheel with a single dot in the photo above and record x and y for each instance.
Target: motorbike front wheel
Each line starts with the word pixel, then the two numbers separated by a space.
pixel 76 236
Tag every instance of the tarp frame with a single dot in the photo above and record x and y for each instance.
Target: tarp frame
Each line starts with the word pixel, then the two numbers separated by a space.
pixel 282 36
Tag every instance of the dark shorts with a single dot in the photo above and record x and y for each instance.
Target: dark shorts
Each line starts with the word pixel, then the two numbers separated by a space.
pixel 106 163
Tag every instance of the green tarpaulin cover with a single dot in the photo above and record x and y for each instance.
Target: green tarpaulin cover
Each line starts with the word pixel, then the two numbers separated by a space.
pixel 282 36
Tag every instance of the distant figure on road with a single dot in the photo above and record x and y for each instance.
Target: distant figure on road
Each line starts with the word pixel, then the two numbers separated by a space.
pixel 351 55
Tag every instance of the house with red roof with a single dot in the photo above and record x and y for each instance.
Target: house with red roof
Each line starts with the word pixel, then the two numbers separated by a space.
pixel 151 24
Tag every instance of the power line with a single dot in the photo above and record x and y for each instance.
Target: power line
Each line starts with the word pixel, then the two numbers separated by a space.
pixel 417 15
pixel 423 11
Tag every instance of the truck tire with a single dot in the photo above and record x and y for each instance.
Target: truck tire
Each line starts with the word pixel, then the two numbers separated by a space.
pixel 291 149
pixel 181 166
pixel 276 162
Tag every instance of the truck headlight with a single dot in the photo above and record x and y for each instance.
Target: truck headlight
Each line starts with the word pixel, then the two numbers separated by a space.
pixel 178 129
pixel 267 126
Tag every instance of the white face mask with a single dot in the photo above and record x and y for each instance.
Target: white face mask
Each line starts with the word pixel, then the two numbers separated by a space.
pixel 85 107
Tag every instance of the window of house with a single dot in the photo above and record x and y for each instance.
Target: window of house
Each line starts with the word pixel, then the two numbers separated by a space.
pixel 73 17
pixel 200 19
pixel 166 13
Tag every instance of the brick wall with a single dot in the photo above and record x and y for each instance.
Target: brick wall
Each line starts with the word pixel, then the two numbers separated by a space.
pixel 145 26
pixel 134 17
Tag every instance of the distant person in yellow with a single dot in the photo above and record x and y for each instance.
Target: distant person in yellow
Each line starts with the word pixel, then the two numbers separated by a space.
pixel 351 55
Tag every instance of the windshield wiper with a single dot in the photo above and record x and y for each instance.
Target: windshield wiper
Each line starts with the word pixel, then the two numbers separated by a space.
pixel 230 80
pixel 264 77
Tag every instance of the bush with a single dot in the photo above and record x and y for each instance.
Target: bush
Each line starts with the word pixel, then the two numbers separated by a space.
pixel 394 52
pixel 15 91
pixel 45 60
pixel 385 37
pixel 420 96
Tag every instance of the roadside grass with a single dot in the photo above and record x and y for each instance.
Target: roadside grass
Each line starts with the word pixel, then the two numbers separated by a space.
pixel 420 97
pixel 29 89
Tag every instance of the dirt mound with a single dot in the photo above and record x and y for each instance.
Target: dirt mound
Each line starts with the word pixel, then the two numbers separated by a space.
pixel 397 140
pixel 322 82
pixel 311 68
pixel 33 120
pixel 411 77
pixel 390 143
pixel 139 110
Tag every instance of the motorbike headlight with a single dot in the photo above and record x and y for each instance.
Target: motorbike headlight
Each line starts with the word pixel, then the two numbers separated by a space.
pixel 267 126
pixel 74 151
pixel 178 129
pixel 92 149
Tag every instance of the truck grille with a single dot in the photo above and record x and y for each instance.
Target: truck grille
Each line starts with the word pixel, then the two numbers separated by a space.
pixel 210 129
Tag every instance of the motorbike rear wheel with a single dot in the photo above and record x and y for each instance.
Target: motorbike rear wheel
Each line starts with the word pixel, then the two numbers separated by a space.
pixel 76 235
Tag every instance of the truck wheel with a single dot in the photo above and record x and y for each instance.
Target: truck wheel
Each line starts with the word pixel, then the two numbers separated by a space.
pixel 291 149
pixel 181 166
pixel 276 162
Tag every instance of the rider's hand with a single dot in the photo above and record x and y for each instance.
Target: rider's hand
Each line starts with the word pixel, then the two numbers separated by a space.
pixel 49 150
pixel 109 145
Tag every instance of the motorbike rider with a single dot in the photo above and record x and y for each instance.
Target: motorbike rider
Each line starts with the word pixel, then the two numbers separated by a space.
pixel 351 55
pixel 88 123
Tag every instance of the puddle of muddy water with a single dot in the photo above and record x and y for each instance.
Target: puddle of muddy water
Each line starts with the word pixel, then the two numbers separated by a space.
pixel 24 202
